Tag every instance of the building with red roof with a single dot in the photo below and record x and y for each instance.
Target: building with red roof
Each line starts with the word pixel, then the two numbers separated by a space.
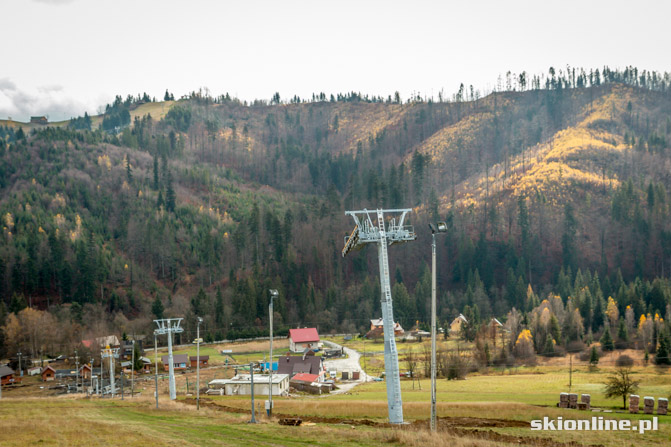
pixel 302 339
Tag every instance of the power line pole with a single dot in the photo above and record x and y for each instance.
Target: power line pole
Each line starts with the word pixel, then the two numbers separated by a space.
pixel 92 376
pixel 20 369
pixel 200 320
pixel 132 370
pixel 273 294
pixel 77 368
pixel 170 326
pixel 156 370
pixel 251 372
pixel 570 372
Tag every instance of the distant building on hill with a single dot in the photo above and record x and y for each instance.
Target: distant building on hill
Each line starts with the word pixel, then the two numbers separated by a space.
pixel 39 120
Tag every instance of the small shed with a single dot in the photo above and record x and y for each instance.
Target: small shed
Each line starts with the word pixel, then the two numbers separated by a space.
pixel 48 374
pixel 85 371
pixel 309 383
pixel 7 376
pixel 204 359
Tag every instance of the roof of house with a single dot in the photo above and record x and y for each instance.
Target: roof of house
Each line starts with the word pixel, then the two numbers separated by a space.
pixel 496 322
pixel 6 371
pixel 303 377
pixel 304 335
pixel 295 364
pixel 203 358
pixel 46 368
pixel 460 317
pixel 176 358
pixel 380 323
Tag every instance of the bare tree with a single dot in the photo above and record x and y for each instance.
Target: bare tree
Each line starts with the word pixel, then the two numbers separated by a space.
pixel 620 383
pixel 411 362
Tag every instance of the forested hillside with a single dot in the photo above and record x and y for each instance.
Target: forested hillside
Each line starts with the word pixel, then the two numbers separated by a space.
pixel 552 184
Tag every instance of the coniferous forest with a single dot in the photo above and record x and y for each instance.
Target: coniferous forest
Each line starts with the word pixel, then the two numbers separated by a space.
pixel 554 187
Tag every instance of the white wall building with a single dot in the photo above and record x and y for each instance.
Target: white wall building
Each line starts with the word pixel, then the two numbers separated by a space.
pixel 241 385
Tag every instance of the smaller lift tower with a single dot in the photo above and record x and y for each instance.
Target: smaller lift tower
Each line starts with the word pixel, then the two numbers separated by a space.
pixel 384 234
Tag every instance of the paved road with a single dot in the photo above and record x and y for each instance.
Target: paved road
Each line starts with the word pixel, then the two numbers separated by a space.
pixel 349 363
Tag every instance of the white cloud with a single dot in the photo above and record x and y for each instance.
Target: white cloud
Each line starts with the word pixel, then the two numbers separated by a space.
pixel 54 2
pixel 49 100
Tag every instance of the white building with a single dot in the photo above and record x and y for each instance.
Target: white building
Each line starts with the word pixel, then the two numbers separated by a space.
pixel 242 385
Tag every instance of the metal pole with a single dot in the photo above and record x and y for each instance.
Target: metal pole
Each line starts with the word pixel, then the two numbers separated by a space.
pixel 156 370
pixel 433 332
pixel 132 371
pixel 570 373
pixel 171 368
pixel 273 294
pixel 121 378
pixel 20 369
pixel 102 376
pixel 251 372
pixel 77 368
pixel 198 363
pixel 111 357
pixel 91 376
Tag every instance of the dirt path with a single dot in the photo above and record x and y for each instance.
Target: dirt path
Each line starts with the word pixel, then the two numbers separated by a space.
pixel 350 363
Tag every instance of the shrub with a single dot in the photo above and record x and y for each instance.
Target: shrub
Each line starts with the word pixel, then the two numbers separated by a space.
pixel 624 360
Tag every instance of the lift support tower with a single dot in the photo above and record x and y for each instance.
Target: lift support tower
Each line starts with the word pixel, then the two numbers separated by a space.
pixel 384 234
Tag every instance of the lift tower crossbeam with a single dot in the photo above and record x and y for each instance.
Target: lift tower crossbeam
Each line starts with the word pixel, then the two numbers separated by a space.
pixel 384 234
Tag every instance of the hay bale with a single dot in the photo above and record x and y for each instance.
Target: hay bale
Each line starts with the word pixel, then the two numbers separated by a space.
pixel 662 406
pixel 633 403
pixel 586 399
pixel 563 397
pixel 648 405
pixel 573 400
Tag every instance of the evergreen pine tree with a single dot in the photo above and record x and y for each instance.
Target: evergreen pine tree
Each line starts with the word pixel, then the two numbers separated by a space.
pixel 219 309
pixel 662 355
pixel 169 194
pixel 607 340
pixel 594 356
pixel 157 308
pixel 156 182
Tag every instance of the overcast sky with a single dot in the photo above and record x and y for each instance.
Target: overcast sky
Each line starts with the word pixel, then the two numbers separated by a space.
pixel 64 57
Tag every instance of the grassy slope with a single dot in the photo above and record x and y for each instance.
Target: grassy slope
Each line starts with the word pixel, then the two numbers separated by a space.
pixel 157 110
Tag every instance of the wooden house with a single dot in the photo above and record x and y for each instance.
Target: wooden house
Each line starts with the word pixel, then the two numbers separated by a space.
pixel 179 361
pixel 48 374
pixel 204 360
pixel 7 376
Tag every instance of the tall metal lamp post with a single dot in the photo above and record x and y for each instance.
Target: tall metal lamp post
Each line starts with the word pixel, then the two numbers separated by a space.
pixel 198 340
pixel 273 294
pixel 440 227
